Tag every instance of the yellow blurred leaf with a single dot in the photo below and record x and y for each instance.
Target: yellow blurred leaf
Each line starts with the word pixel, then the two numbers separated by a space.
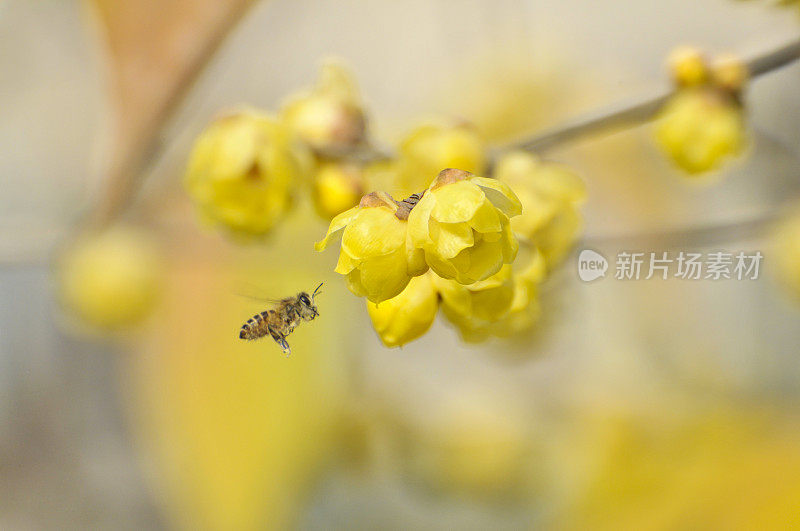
pixel 233 430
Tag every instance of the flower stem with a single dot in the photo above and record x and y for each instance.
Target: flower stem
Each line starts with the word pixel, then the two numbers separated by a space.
pixel 631 115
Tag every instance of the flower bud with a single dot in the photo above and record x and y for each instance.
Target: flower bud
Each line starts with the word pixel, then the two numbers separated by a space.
pixel 374 256
pixel 688 66
pixel 111 280
pixel 431 148
pixel 550 195
pixel 407 316
pixel 242 172
pixel 337 187
pixel 328 118
pixel 462 225
pixel 729 73
pixel 698 128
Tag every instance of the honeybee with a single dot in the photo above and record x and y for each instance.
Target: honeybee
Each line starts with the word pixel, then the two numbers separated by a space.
pixel 281 320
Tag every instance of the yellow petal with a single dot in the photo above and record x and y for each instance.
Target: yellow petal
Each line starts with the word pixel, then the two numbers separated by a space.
pixel 407 316
pixel 338 223
pixel 450 239
pixel 418 219
pixel 346 263
pixel 416 259
pixel 557 239
pixel 493 304
pixel 444 268
pixel 539 210
pixel 354 284
pixel 384 277
pixel 375 232
pixel 456 202
pixel 509 243
pixel 492 236
pixel 455 295
pixel 486 219
pixel 535 270
pixel 479 304
pixel 486 259
pixel 335 79
pixel 494 281
pixel 560 182
pixel 500 194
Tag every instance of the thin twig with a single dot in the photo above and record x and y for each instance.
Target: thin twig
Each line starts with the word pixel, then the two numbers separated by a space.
pixel 638 113
pixel 687 237
pixel 127 174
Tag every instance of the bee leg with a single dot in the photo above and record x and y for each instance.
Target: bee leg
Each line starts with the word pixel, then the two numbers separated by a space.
pixel 284 345
pixel 280 339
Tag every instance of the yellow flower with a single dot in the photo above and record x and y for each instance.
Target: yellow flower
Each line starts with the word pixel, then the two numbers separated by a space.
pixel 431 148
pixel 688 66
pixel 337 187
pixel 550 195
pixel 242 172
pixel 473 307
pixel 329 117
pixel 374 256
pixel 699 127
pixel 462 225
pixel 525 309
pixel 407 316
pixel 111 280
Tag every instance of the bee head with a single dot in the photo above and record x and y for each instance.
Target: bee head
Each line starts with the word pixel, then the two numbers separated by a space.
pixel 308 310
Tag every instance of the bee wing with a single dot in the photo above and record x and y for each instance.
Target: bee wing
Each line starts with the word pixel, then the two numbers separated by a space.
pixel 253 291
pixel 259 299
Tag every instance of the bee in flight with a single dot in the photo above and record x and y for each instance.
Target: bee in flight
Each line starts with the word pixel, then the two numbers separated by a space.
pixel 280 321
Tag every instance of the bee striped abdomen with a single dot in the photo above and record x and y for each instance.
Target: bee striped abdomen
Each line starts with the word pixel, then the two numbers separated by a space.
pixel 256 327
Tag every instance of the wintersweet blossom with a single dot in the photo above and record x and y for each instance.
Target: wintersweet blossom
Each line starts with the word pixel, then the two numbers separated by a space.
pixel 462 225
pixel 432 147
pixel 699 128
pixel 407 316
pixel 336 187
pixel 243 170
pixel 551 195
pixel 473 307
pixel 703 122
pixel 374 256
pixel 330 116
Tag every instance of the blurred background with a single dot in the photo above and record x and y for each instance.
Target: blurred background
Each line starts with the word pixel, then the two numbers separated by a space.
pixel 631 405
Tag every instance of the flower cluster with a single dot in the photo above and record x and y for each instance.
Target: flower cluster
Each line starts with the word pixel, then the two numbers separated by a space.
pixel 703 122
pixel 453 246
pixel 246 167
